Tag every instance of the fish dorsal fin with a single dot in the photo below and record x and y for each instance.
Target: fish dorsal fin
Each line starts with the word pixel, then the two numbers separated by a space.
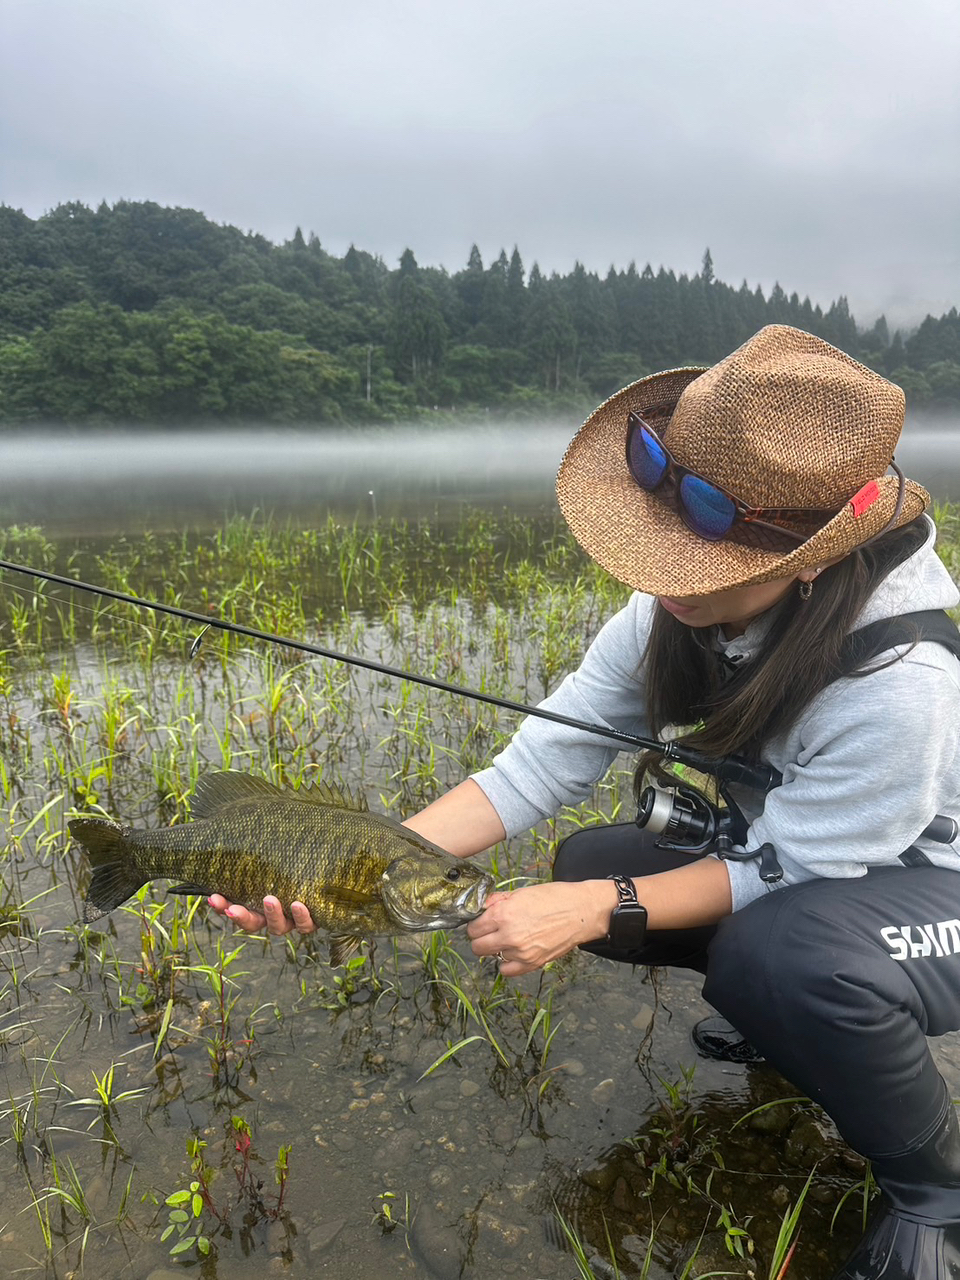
pixel 217 791
pixel 323 793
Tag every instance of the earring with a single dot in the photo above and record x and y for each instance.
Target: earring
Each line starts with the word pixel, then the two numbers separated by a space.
pixel 805 590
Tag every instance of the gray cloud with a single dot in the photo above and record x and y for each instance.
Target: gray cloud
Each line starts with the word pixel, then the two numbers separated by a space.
pixel 811 143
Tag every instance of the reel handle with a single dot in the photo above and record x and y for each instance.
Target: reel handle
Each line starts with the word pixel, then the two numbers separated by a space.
pixel 942 829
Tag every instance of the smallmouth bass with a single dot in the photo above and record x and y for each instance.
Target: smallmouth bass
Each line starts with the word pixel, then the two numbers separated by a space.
pixel 359 873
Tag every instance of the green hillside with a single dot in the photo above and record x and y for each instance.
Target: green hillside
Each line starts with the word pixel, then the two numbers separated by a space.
pixel 137 313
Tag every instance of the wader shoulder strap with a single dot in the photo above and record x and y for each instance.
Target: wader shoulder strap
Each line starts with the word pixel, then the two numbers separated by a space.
pixel 859 647
pixel 909 628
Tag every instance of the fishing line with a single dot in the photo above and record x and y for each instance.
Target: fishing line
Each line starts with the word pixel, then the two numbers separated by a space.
pixel 730 769
pixel 28 596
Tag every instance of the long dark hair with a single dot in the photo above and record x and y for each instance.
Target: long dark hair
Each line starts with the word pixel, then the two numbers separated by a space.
pixel 799 657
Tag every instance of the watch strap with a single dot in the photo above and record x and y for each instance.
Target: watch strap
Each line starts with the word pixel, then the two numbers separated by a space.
pixel 626 890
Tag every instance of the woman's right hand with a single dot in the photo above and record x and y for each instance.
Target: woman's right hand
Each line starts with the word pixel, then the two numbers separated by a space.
pixel 272 918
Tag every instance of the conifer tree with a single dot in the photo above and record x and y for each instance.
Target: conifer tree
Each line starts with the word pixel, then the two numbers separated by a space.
pixel 416 333
pixel 471 285
pixel 516 299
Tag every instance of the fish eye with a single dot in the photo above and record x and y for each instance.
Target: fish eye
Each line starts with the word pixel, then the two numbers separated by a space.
pixel 454 873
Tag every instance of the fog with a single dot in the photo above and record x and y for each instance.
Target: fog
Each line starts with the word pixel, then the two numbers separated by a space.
pixel 115 482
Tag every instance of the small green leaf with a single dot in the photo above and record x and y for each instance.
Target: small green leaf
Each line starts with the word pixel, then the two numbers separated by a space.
pixel 186 1243
pixel 197 1206
pixel 178 1215
pixel 178 1197
pixel 203 1244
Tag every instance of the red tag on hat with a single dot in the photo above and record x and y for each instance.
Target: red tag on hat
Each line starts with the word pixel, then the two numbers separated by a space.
pixel 865 497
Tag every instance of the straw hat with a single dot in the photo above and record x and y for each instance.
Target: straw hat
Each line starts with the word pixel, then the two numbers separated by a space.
pixel 785 421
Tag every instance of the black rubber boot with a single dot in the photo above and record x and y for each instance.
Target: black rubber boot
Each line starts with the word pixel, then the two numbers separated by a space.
pixel 719 1039
pixel 916 1233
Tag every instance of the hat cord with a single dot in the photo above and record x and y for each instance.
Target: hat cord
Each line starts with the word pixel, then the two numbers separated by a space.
pixel 891 523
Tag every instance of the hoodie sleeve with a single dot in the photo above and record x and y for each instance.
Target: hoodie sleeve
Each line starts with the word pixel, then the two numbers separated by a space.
pixel 879 758
pixel 546 766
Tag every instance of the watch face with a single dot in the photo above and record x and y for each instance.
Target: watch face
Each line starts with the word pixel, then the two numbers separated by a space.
pixel 628 926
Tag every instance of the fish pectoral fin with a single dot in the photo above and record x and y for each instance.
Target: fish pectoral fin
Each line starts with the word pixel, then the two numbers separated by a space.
pixel 341 895
pixel 343 946
pixel 188 887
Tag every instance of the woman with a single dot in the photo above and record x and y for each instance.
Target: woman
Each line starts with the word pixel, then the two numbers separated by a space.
pixel 749 507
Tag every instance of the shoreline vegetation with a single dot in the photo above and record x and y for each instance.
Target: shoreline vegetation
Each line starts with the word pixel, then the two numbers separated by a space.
pixel 174 1091
pixel 138 314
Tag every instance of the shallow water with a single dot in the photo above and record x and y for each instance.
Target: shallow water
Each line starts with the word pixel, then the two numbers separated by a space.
pixel 572 1099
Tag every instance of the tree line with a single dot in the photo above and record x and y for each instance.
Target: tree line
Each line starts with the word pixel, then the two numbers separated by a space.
pixel 138 313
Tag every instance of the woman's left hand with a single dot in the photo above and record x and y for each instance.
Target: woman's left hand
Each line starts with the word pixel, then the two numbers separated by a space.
pixel 532 926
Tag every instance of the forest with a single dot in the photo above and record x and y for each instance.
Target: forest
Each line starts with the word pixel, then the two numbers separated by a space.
pixel 137 313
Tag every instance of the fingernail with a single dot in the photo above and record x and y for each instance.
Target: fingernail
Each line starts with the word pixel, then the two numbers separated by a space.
pixel 231 913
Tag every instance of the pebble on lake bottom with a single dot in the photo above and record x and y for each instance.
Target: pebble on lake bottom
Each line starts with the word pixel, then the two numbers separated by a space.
pixel 604 1091
pixel 437 1244
pixel 642 1018
pixel 322 1236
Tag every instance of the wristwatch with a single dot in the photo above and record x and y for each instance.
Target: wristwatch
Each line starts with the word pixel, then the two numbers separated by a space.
pixel 628 920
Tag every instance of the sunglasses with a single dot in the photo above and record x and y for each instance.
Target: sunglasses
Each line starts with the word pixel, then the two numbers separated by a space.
pixel 710 511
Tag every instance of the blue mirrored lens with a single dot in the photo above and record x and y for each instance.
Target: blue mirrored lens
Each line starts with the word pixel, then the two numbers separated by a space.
pixel 647 460
pixel 709 512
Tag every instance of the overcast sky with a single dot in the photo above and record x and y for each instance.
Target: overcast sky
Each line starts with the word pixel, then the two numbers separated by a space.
pixel 814 142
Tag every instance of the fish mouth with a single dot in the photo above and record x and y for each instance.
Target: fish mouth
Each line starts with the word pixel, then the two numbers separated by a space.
pixel 472 901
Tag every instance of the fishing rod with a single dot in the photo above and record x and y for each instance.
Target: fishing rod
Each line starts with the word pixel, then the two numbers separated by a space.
pixel 728 769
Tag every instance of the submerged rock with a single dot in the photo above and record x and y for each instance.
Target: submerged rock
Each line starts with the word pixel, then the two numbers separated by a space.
pixel 437 1244
pixel 604 1092
pixel 322 1236
pixel 809 1141
pixel 601 1177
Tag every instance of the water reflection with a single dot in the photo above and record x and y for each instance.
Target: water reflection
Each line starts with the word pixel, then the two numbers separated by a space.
pixel 107 483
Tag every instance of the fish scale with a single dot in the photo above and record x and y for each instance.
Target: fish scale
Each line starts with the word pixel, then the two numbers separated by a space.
pixel 358 873
pixel 322 866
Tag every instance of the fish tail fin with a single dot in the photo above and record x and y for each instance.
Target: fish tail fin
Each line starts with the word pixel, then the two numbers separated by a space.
pixel 115 875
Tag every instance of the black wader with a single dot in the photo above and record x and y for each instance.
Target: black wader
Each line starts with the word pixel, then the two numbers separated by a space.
pixel 837 983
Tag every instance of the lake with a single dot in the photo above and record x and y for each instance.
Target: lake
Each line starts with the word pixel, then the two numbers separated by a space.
pixel 108 483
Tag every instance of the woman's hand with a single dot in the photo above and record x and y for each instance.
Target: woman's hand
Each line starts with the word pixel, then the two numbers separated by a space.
pixel 272 919
pixel 532 926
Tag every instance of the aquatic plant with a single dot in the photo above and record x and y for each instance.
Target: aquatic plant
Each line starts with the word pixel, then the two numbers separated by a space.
pixel 118 1034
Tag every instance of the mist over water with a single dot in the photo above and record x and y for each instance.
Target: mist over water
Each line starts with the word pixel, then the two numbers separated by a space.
pixel 116 482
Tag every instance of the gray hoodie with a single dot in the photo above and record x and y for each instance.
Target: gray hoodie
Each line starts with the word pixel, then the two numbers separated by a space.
pixel 866 767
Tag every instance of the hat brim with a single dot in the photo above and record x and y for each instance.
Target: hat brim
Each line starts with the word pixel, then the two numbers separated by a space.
pixel 643 543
